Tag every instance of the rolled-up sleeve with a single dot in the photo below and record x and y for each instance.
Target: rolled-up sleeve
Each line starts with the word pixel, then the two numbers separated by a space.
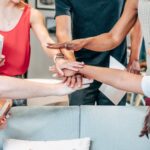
pixel 63 7
pixel 146 85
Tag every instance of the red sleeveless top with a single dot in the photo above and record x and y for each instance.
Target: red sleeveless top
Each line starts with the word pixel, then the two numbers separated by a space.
pixel 17 46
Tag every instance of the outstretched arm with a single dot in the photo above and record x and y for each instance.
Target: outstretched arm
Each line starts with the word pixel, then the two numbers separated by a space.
pixel 136 39
pixel 37 21
pixel 116 78
pixel 110 40
pixel 18 88
pixel 38 25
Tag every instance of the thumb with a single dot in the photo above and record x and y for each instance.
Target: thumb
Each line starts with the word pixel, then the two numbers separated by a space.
pixel 60 71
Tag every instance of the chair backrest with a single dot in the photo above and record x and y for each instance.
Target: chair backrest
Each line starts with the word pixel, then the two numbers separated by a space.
pixel 42 123
pixel 114 128
pixel 110 128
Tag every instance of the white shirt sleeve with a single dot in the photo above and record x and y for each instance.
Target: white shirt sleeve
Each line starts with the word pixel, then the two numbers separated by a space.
pixel 146 85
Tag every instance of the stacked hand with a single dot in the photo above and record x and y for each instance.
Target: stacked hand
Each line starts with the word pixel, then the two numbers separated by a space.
pixel 75 45
pixel 69 70
pixel 72 77
pixel 64 89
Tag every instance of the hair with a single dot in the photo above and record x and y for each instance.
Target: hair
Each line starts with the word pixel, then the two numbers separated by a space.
pixel 146 129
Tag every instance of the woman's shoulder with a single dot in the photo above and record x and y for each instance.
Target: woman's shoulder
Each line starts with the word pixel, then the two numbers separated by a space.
pixel 36 14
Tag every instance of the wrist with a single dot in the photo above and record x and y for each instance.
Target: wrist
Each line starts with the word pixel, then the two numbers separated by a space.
pixel 50 89
pixel 58 56
pixel 134 56
pixel 81 70
pixel 68 54
pixel 133 60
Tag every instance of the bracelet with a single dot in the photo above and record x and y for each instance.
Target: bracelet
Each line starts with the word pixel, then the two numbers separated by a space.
pixel 59 55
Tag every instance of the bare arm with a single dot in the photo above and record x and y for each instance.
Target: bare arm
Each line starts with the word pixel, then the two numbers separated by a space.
pixel 38 25
pixel 110 40
pixel 34 88
pixel 23 89
pixel 116 78
pixel 136 39
pixel 63 33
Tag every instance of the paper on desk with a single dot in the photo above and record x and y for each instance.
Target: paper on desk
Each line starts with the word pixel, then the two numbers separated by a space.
pixel 112 93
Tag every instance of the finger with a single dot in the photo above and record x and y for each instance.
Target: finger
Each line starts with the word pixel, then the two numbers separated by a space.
pixel 78 65
pixel 132 71
pixel 73 81
pixel 56 46
pixel 64 79
pixel 82 63
pixel 60 71
pixel 68 82
pixel 129 68
pixel 137 72
pixel 79 80
pixel 52 69
pixel 72 68
pixel 56 75
pixel 71 46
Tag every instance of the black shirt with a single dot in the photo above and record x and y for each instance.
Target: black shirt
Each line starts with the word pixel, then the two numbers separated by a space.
pixel 91 18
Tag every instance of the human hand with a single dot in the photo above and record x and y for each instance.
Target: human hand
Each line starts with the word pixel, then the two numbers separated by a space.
pixel 2 60
pixel 63 89
pixel 75 45
pixel 74 81
pixel 66 68
pixel 134 67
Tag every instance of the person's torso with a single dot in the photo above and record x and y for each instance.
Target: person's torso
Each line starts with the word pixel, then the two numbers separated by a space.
pixel 144 16
pixel 16 46
pixel 94 17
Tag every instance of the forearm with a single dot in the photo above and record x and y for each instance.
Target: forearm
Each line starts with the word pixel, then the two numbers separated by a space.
pixel 17 88
pixel 136 40
pixel 117 34
pixel 116 78
pixel 64 34
pixel 37 21
pixel 103 42
pixel 50 52
pixel 63 37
